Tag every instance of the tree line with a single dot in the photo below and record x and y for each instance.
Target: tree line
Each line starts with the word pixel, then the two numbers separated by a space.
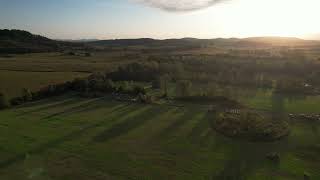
pixel 97 84
pixel 283 75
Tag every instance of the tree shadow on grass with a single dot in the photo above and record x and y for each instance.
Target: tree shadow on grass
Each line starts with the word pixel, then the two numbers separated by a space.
pixel 45 101
pixel 92 104
pixel 132 121
pixel 43 147
pixel 63 102
pixel 242 160
pixel 233 170
pixel 201 126
pixel 178 123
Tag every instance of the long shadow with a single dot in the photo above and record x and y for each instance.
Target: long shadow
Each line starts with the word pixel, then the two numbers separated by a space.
pixel 206 140
pixel 243 159
pixel 130 123
pixel 91 105
pixel 233 170
pixel 96 105
pixel 50 106
pixel 173 127
pixel 199 128
pixel 42 148
pixel 45 101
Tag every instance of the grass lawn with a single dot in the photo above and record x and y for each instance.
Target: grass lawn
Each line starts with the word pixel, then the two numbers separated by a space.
pixel 73 138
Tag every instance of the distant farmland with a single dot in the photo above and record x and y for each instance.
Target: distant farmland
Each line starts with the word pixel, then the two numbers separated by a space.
pixel 15 81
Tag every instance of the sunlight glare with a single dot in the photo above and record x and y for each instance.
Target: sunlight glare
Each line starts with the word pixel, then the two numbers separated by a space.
pixel 271 17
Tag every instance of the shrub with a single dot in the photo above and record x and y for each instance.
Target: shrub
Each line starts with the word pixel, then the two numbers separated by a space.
pixel 71 53
pixel 26 94
pixel 139 90
pixel 80 84
pixel 146 99
pixel 3 101
pixel 17 101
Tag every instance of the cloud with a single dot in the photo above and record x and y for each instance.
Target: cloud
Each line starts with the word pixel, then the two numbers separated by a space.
pixel 179 5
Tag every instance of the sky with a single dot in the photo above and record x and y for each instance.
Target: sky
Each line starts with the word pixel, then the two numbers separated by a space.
pixel 162 19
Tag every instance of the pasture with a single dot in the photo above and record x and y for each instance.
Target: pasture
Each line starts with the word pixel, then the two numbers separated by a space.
pixel 34 71
pixel 63 62
pixel 260 98
pixel 69 137
pixel 12 82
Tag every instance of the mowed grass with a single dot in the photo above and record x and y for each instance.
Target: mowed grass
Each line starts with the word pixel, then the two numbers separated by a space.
pixel 12 82
pixel 73 138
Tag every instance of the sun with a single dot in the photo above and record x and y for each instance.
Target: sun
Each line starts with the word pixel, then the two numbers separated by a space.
pixel 289 18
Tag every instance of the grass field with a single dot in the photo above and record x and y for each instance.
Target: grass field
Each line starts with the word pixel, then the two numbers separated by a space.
pixel 262 99
pixel 34 71
pixel 60 62
pixel 72 138
pixel 14 81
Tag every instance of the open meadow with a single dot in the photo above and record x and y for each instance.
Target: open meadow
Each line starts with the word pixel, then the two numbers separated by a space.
pixel 68 137
pixel 35 71
pixel 15 81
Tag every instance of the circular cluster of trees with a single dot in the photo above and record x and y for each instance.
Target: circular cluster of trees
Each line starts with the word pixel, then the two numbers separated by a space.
pixel 249 125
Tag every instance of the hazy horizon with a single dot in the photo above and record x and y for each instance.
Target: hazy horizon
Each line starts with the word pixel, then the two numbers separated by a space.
pixel 99 39
pixel 162 19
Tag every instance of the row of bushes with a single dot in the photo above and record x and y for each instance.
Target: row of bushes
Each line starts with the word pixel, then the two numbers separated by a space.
pixel 98 83
pixel 101 83
pixel 94 84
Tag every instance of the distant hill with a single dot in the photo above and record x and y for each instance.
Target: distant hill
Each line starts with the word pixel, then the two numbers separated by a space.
pixel 282 41
pixel 123 42
pixel 78 40
pixel 18 41
pixel 151 43
pixel 253 42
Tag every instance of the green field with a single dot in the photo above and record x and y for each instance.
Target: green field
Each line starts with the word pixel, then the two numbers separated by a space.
pixel 262 99
pixel 73 138
pixel 60 62
pixel 34 71
pixel 14 81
